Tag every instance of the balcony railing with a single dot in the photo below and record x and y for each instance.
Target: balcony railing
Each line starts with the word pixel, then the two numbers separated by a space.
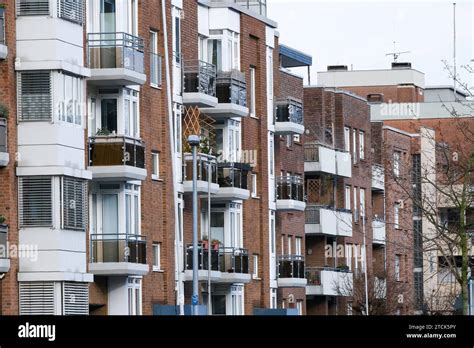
pixel 291 266
pixel 232 88
pixel 290 187
pixel 156 70
pixel 313 213
pixel 313 274
pixel 228 260
pixel 115 50
pixel 233 175
pixel 116 151
pixel 3 241
pixel 118 248
pixel 3 135
pixel 202 168
pixel 289 111
pixel 199 77
pixel 257 6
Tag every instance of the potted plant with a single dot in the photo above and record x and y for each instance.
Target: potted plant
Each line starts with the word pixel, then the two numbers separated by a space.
pixel 205 242
pixel 343 268
pixel 215 244
pixel 3 111
pixel 3 219
pixel 103 132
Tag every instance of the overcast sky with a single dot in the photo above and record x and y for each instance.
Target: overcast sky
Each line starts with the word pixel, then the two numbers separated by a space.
pixel 361 33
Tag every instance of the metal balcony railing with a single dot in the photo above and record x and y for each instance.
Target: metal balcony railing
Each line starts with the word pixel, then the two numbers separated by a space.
pixel 115 50
pixel 112 248
pixel 202 168
pixel 290 187
pixel 3 135
pixel 116 151
pixel 233 175
pixel 289 111
pixel 3 241
pixel 311 151
pixel 223 259
pixel 257 6
pixel 156 69
pixel 199 77
pixel 291 266
pixel 232 88
pixel 313 274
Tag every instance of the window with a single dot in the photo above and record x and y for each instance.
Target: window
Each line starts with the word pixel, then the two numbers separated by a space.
pixel 298 246
pixel 347 198
pixel 156 257
pixel 290 242
pixel 177 39
pixel 74 204
pixel 132 209
pixel 155 161
pixel 254 186
pixel 289 141
pixel 131 110
pixel 34 96
pixel 70 96
pixel 397 268
pixel 356 206
pixel 155 61
pixel 347 139
pixel 362 202
pixel 215 52
pixel 361 145
pixel 71 10
pixel 396 215
pixel 32 7
pixel 297 138
pixel 299 307
pixel 273 298
pixel 2 26
pixel 35 201
pixel 354 146
pixel 253 107
pixel 396 163
pixel 134 296
pixel 255 266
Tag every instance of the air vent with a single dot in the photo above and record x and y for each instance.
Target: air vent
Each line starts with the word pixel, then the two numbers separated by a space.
pixel 396 65
pixel 337 68
pixel 375 98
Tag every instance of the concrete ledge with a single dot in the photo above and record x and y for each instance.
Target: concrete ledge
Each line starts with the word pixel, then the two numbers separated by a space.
pixel 55 277
pixel 4 159
pixel 118 76
pixel 118 268
pixel 4 265
pixel 290 204
pixel 201 100
pixel 287 128
pixel 3 52
pixel 226 111
pixel 292 283
pixel 118 173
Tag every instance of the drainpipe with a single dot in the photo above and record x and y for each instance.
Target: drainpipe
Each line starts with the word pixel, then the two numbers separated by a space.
pixel 179 296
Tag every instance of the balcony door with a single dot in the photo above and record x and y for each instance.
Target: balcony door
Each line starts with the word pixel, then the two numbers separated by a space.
pixel 177 55
pixel 229 139
pixel 234 237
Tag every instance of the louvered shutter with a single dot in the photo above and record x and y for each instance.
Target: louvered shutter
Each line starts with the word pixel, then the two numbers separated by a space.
pixel 35 202
pixel 75 298
pixel 37 298
pixel 34 96
pixel 74 203
pixel 32 7
pixel 71 10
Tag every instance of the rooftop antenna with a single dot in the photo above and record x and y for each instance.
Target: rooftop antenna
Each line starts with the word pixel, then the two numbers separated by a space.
pixel 396 54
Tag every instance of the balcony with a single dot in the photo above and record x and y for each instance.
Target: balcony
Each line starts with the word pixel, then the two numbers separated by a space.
pixel 291 271
pixel 4 155
pixel 233 181
pixel 319 158
pixel 199 84
pixel 290 193
pixel 257 6
pixel 228 265
pixel 378 177
pixel 231 91
pixel 4 260
pixel 289 118
pixel 343 164
pixel 322 220
pixel 203 173
pixel 117 158
pixel 118 255
pixel 378 230
pixel 327 281
pixel 116 59
pixel 3 45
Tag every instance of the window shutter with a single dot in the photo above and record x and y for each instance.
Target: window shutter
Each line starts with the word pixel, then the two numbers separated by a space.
pixel 34 96
pixel 37 298
pixel 32 7
pixel 75 298
pixel 35 202
pixel 74 203
pixel 71 10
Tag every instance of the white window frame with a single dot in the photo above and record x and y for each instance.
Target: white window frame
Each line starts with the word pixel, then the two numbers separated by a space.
pixel 254 177
pixel 134 292
pixel 299 306
pixel 362 194
pixel 156 248
pixel 299 246
pixel 354 146
pixel 253 92
pixel 289 244
pixel 347 197
pixel 361 145
pixel 396 215
pixel 255 260
pixel 356 205
pixel 397 155
pixel 347 139
pixel 154 51
pixel 155 165
pixel 397 268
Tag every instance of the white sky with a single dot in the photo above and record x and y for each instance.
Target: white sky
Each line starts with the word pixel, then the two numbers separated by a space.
pixel 361 33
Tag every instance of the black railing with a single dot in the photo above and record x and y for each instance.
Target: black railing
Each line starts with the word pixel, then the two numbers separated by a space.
pixel 228 260
pixel 115 248
pixel 232 88
pixel 116 151
pixel 289 111
pixel 291 266
pixel 290 187
pixel 115 50
pixel 233 175
pixel 199 77
pixel 203 161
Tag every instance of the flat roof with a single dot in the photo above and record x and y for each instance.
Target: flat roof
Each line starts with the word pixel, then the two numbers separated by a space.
pixel 292 58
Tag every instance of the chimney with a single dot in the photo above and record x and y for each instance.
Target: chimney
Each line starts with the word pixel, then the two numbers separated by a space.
pixel 337 68
pixel 396 65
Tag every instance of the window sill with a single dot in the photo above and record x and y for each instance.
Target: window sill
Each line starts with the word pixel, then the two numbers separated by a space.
pixel 156 178
pixel 254 117
pixel 156 87
pixel 256 278
pixel 256 197
pixel 156 270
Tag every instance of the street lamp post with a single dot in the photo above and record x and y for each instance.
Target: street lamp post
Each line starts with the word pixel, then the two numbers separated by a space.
pixel 194 142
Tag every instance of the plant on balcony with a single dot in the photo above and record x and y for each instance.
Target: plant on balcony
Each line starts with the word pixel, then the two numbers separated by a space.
pixel 205 242
pixel 103 132
pixel 343 268
pixel 215 244
pixel 3 111
pixel 3 219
